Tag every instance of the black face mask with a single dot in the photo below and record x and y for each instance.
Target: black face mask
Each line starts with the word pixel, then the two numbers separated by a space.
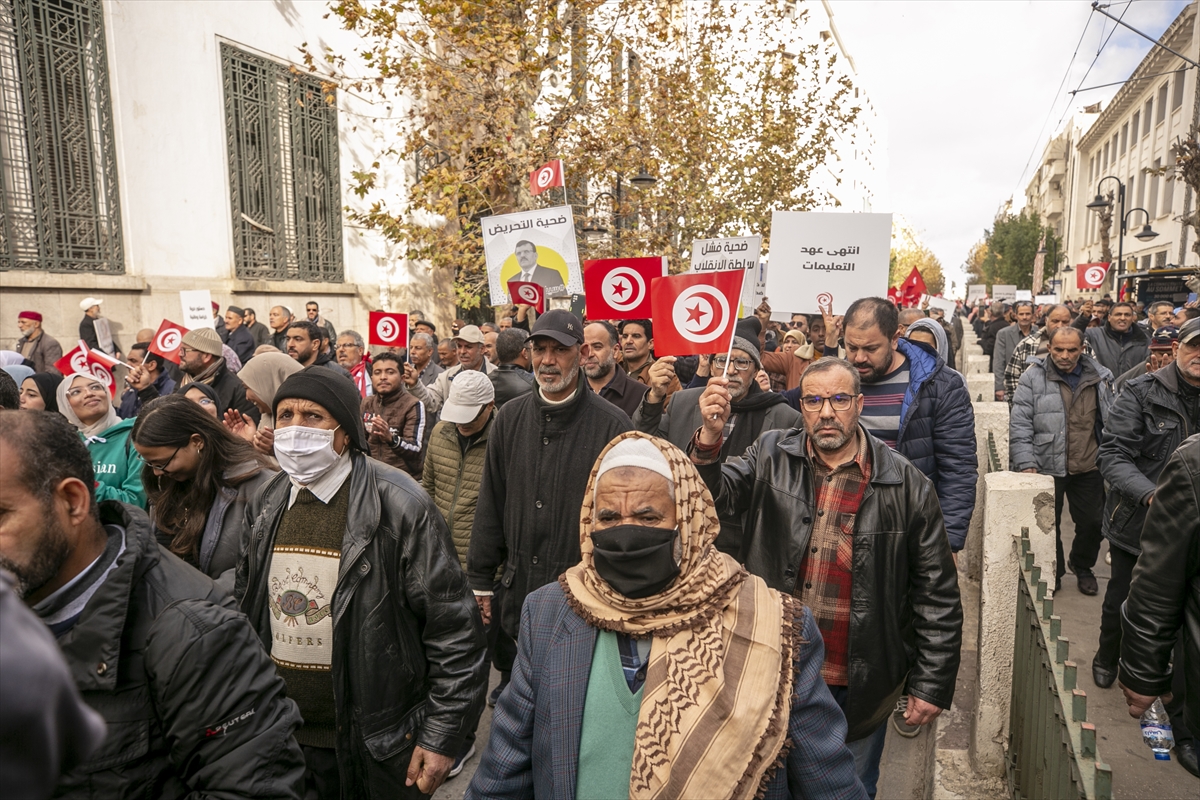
pixel 635 560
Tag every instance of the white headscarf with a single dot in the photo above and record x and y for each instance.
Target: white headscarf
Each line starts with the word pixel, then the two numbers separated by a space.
pixel 64 405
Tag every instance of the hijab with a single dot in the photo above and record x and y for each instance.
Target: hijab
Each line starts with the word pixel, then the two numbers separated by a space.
pixel 64 407
pixel 265 373
pixel 713 719
pixel 19 372
pixel 47 386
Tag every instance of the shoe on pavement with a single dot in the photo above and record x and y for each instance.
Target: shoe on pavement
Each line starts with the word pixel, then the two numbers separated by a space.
pixel 1185 754
pixel 494 697
pixel 460 761
pixel 899 723
pixel 1103 676
pixel 1087 581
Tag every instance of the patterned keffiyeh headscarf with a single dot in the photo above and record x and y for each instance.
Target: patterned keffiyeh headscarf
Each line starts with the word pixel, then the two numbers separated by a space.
pixel 714 714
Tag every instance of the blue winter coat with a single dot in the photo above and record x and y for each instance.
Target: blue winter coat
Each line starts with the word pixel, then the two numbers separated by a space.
pixel 937 434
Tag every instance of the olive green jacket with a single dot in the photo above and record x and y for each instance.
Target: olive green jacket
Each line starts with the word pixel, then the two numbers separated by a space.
pixel 452 480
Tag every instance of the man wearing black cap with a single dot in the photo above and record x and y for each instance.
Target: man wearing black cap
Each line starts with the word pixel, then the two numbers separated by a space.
pixel 540 453
pixel 350 579
pixel 239 337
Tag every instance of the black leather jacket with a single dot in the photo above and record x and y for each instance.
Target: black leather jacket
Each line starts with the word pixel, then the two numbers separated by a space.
pixel 408 648
pixel 906 620
pixel 1147 423
pixel 1164 597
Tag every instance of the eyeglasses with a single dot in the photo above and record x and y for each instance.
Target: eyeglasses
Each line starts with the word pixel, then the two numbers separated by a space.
pixel 91 388
pixel 184 352
pixel 163 467
pixel 345 346
pixel 739 364
pixel 838 402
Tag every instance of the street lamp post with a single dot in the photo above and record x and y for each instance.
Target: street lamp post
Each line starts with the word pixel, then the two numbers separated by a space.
pixel 1144 235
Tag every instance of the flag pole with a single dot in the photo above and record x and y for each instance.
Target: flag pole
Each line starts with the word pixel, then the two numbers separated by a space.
pixel 733 334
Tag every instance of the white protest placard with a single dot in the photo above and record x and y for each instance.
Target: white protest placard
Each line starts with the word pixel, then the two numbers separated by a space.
pixel 976 291
pixel 197 309
pixel 1043 299
pixel 944 303
pixel 827 259
pixel 736 252
pixel 1004 292
pixel 1023 294
pixel 533 246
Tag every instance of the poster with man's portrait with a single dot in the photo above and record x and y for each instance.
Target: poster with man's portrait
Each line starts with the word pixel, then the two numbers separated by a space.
pixel 532 246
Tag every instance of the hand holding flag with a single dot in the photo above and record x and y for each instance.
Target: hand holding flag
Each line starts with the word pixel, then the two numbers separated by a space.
pixel 528 293
pixel 695 313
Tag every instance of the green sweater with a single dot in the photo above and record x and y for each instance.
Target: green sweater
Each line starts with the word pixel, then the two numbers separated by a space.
pixel 610 715
pixel 118 466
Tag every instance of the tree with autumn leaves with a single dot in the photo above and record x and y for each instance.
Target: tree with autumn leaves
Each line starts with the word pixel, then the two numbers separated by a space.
pixel 725 104
pixel 909 251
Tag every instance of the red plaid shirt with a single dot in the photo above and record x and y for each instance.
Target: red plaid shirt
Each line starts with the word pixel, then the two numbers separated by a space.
pixel 826 572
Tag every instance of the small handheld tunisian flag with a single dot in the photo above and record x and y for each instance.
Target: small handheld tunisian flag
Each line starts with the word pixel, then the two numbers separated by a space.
pixel 167 340
pixel 388 329
pixel 528 293
pixel 545 176
pixel 912 288
pixel 96 363
pixel 695 313
pixel 619 288
pixel 1090 276
pixel 894 295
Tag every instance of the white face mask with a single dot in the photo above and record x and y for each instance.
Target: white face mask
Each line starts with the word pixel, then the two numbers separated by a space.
pixel 305 453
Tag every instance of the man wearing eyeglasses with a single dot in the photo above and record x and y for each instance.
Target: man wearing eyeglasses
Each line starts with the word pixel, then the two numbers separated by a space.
pixel 752 411
pixel 839 519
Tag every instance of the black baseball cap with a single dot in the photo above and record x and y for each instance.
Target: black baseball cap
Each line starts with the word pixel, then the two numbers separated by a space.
pixel 560 325
pixel 1189 331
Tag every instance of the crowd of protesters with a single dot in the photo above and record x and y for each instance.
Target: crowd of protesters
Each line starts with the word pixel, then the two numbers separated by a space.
pixel 285 566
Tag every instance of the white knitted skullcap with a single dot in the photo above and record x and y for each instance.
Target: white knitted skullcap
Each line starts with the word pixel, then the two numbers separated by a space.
pixel 637 453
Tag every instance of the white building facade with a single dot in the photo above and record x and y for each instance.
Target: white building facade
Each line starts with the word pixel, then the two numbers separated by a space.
pixel 153 147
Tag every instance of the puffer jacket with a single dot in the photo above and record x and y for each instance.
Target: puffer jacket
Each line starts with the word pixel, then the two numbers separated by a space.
pixel 452 479
pixel 409 662
pixel 1147 424
pixel 1164 597
pixel 1119 354
pixel 193 703
pixel 1037 429
pixel 906 625
pixel 937 434
pixel 405 416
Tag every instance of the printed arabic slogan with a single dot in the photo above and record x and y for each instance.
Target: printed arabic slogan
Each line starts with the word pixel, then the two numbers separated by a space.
pixel 827 259
pixel 742 252
pixel 532 247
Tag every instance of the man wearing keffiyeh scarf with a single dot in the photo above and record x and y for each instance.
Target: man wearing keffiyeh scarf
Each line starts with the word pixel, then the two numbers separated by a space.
pixel 658 667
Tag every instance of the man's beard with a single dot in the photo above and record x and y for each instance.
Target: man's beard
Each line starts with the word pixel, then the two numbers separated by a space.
pixel 53 551
pixel 564 377
pixel 738 388
pixel 602 369
pixel 879 373
pixel 829 440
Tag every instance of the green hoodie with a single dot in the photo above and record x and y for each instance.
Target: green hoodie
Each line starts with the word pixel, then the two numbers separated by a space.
pixel 118 466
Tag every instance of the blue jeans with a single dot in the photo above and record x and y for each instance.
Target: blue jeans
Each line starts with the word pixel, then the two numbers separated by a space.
pixel 867 751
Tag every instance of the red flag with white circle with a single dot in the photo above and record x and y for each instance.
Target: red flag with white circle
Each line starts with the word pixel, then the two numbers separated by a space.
pixel 527 293
pixel 1091 276
pixel 167 340
pixel 695 313
pixel 388 329
pixel 619 288
pixel 545 176
pixel 96 363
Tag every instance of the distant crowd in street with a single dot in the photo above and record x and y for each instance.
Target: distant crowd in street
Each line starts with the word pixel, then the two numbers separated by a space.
pixel 287 566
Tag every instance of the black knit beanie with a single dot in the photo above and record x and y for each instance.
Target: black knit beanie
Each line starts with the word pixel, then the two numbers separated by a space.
pixel 333 392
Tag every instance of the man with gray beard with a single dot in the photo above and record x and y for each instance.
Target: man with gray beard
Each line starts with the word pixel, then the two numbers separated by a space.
pixel 540 454
pixel 603 374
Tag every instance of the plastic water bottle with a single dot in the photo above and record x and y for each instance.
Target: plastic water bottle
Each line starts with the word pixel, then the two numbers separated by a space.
pixel 1156 731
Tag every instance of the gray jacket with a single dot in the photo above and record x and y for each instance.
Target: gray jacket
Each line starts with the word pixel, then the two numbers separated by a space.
pixel 682 420
pixel 1037 428
pixel 1119 356
pixel 1006 342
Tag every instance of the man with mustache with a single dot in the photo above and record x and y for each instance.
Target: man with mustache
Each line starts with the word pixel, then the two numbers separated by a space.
pixel 840 520
pixel 540 454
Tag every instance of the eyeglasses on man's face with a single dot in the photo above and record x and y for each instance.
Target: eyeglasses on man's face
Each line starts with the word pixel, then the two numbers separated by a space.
pixel 739 364
pixel 838 402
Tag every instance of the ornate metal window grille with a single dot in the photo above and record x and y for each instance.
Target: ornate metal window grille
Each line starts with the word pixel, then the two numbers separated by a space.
pixel 284 180
pixel 59 204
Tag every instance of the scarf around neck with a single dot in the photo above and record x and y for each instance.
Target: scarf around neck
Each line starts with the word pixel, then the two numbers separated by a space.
pixel 714 714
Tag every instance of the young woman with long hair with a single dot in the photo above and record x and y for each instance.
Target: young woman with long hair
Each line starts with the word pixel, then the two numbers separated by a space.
pixel 198 477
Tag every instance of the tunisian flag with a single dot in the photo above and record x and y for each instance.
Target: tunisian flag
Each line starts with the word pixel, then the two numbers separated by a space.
pixel 695 313
pixel 619 288
pixel 96 363
pixel 545 176
pixel 387 329
pixel 528 293
pixel 912 288
pixel 1091 276
pixel 167 340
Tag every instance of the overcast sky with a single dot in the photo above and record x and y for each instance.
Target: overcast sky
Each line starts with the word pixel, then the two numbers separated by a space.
pixel 965 89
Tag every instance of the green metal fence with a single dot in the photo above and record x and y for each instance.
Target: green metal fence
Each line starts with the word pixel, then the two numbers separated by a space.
pixel 992 455
pixel 1051 745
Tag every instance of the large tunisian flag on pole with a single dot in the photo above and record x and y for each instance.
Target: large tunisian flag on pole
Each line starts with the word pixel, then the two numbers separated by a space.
pixel 696 313
pixel 1090 276
pixel 545 176
pixel 619 288
pixel 912 288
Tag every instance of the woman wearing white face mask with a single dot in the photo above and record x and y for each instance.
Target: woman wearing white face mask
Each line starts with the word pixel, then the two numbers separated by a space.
pixel 349 577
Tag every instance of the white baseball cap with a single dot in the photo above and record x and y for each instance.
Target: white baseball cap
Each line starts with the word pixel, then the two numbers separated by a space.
pixel 88 302
pixel 470 391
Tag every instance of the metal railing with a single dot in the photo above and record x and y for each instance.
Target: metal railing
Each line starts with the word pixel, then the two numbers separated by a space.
pixel 993 456
pixel 1051 745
